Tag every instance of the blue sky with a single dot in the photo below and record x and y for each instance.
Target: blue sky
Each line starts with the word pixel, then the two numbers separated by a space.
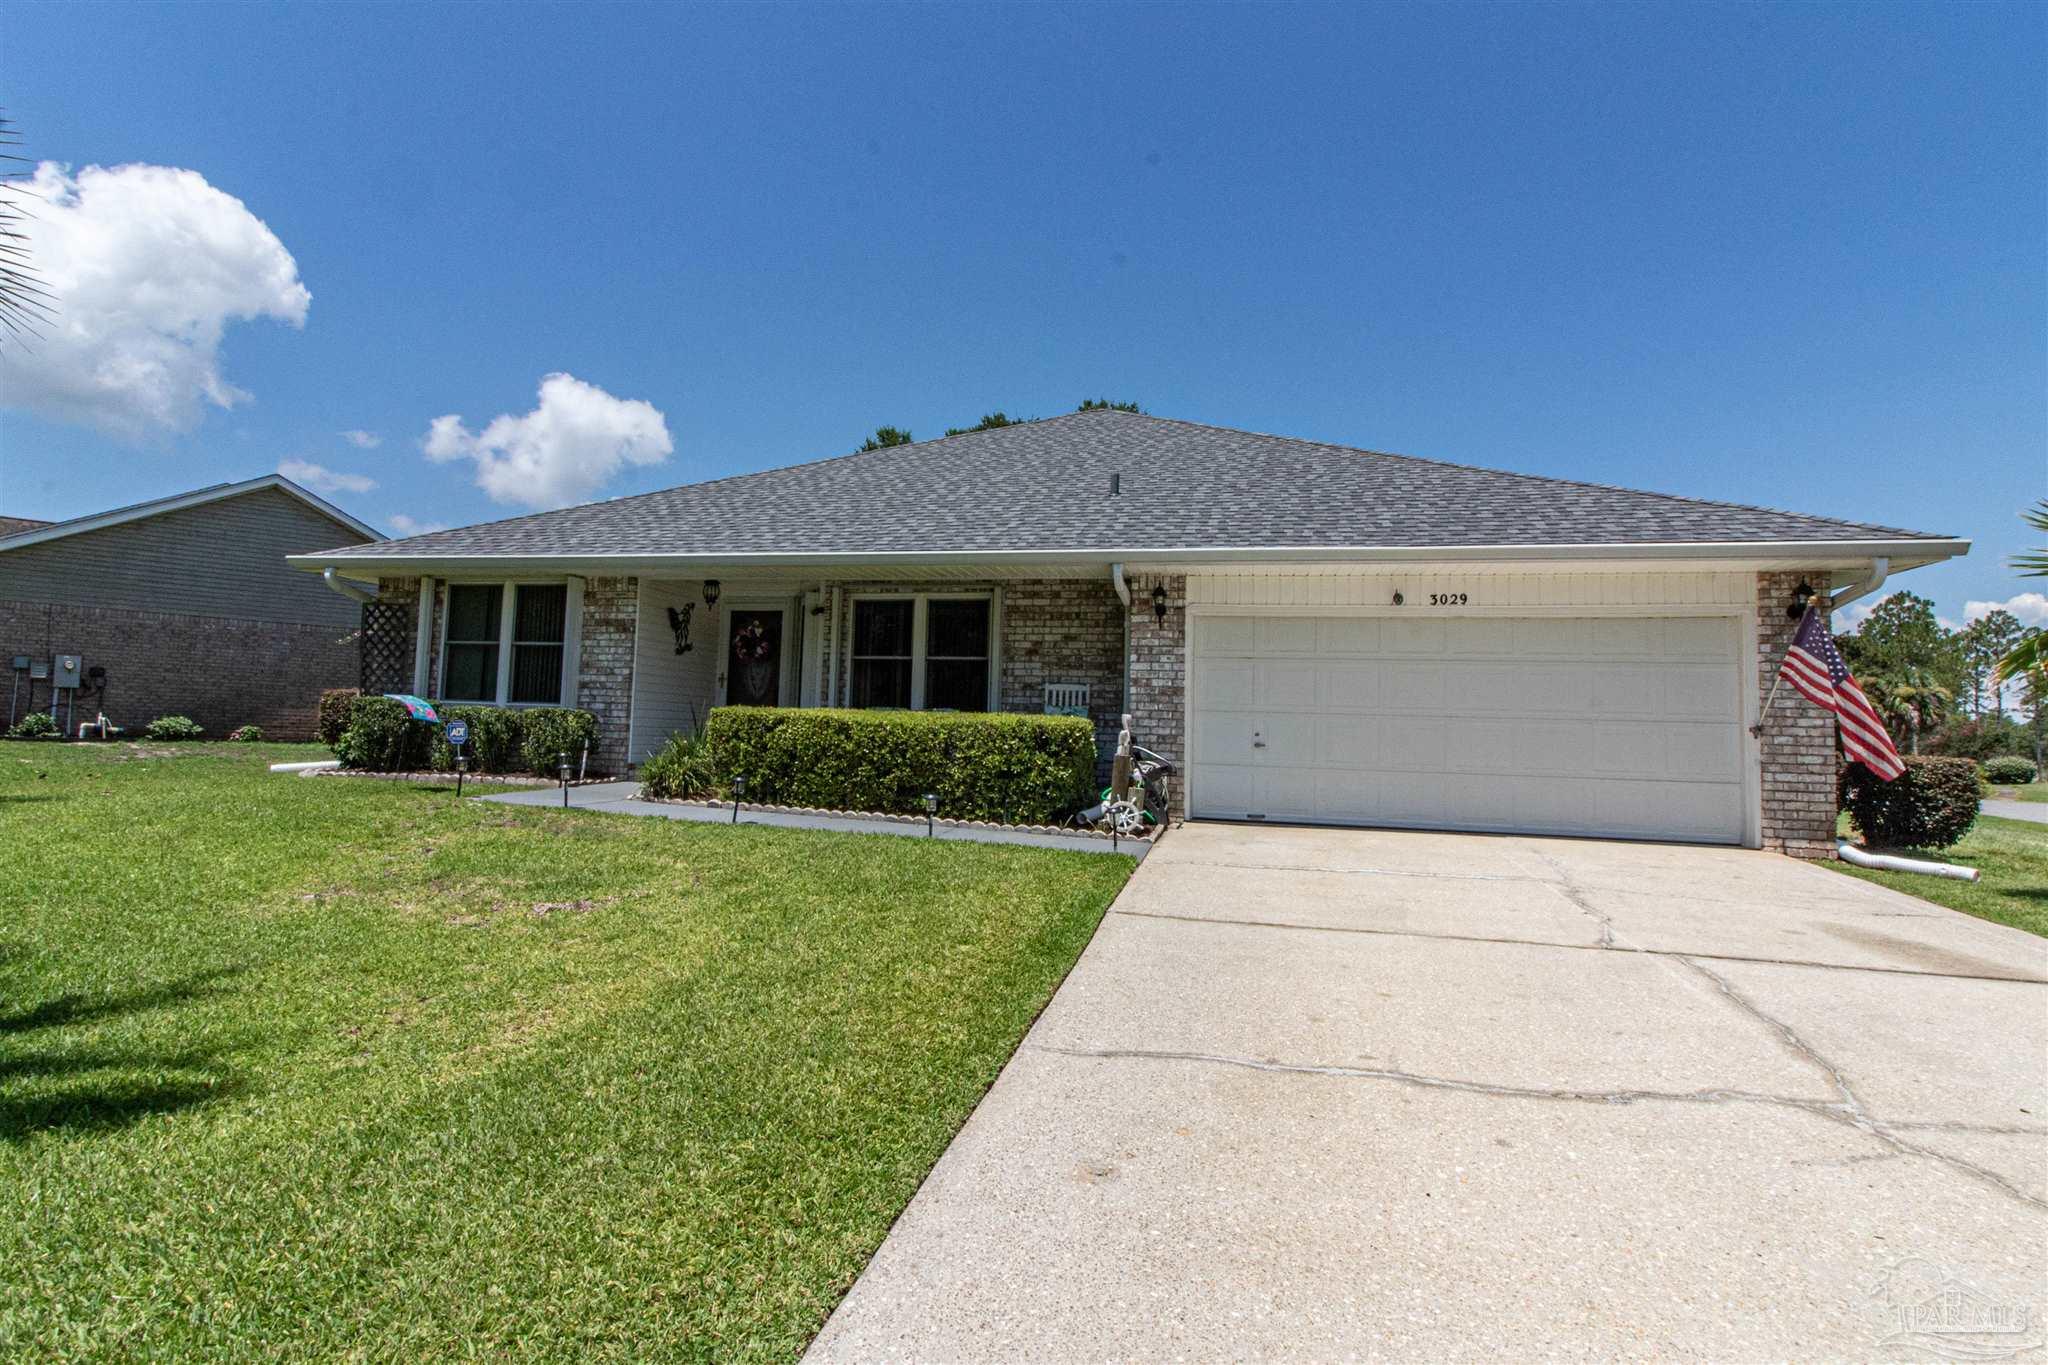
pixel 1788 255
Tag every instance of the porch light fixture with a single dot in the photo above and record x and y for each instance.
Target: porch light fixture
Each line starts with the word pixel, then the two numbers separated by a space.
pixel 710 592
pixel 1801 595
pixel 1159 602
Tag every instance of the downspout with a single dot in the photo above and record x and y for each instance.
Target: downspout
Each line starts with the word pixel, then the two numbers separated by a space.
pixel 1123 592
pixel 336 583
pixel 1880 567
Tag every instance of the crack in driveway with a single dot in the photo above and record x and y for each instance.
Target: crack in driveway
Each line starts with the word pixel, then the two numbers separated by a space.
pixel 1849 1113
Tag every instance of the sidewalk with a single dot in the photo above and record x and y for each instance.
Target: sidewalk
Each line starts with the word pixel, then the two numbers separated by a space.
pixel 622 798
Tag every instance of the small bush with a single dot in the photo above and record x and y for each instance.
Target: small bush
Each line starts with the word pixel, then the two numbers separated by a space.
pixel 383 738
pixel 682 768
pixel 34 725
pixel 334 705
pixel 1930 805
pixel 174 727
pixel 247 734
pixel 2010 770
pixel 1024 769
pixel 551 731
pixel 495 735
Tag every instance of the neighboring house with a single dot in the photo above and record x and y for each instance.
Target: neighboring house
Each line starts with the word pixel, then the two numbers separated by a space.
pixel 1316 633
pixel 187 606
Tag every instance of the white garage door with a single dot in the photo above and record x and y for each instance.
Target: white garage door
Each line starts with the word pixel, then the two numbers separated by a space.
pixel 1601 725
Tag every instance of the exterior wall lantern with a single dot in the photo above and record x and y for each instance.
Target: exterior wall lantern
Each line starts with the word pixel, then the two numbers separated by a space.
pixel 710 592
pixel 1801 595
pixel 1159 603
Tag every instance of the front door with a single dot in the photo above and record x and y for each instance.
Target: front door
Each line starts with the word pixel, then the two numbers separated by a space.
pixel 753 658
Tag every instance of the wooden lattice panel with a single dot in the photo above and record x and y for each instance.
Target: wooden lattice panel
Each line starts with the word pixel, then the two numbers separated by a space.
pixel 387 647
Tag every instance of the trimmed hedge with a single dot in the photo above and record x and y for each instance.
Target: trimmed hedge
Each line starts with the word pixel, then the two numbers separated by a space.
pixel 1930 805
pixel 383 738
pixel 334 708
pixel 1015 768
pixel 174 727
pixel 2010 770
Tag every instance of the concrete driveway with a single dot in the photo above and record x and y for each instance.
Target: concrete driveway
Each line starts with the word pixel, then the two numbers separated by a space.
pixel 1345 1094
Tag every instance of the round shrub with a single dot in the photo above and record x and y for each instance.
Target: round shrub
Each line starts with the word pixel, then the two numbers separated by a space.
pixel 247 734
pixel 383 738
pixel 334 705
pixel 34 725
pixel 174 727
pixel 2010 770
pixel 1930 805
pixel 682 768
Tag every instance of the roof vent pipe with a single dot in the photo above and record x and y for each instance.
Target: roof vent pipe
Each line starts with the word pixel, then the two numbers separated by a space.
pixel 337 583
pixel 1116 485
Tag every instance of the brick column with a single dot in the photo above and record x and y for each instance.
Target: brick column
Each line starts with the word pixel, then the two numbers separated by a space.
pixel 1798 739
pixel 1159 691
pixel 611 615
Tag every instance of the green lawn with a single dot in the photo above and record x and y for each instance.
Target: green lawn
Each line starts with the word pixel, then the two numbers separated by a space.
pixel 2032 791
pixel 2012 855
pixel 329 1067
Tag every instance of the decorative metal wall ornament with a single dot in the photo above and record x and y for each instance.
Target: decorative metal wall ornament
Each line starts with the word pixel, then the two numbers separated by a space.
pixel 679 622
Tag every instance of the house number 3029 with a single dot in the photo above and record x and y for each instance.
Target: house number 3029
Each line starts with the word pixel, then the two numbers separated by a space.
pixel 1447 599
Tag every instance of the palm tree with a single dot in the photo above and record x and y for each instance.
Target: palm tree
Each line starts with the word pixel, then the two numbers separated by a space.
pixel 1909 699
pixel 2026 657
pixel 23 300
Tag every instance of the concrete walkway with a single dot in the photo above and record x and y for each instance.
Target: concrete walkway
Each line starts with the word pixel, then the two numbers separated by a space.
pixel 2035 811
pixel 622 798
pixel 1324 1094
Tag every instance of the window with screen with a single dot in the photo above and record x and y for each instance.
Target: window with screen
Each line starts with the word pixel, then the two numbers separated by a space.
pixel 956 655
pixel 540 616
pixel 474 618
pixel 882 639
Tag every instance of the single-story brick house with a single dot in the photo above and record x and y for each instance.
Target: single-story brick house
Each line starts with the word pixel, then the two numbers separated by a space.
pixel 1318 633
pixel 180 606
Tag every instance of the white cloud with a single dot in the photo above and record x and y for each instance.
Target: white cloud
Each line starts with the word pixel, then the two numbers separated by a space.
pixel 408 526
pixel 1851 617
pixel 2030 607
pixel 149 264
pixel 321 479
pixel 363 440
pixel 560 453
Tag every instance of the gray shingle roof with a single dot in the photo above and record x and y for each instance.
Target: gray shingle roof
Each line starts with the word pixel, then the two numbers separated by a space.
pixel 1044 486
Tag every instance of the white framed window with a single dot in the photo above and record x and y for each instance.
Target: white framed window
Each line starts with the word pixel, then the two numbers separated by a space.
pixel 923 652
pixel 510 643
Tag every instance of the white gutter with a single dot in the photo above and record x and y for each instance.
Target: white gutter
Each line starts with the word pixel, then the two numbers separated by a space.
pixel 1912 551
pixel 1880 567
pixel 336 583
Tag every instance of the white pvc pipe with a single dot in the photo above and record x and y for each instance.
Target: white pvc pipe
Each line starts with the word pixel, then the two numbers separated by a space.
pixel 1886 862
pixel 320 766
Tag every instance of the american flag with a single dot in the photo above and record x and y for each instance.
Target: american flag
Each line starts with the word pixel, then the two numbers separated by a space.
pixel 1815 667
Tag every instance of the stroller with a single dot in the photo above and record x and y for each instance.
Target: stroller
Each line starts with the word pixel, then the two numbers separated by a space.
pixel 1135 798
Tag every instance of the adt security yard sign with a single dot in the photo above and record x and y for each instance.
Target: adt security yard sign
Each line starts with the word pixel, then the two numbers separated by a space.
pixel 457 732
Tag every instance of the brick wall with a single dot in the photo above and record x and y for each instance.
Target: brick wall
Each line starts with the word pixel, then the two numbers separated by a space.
pixel 223 672
pixel 1065 631
pixel 611 613
pixel 1159 676
pixel 1797 741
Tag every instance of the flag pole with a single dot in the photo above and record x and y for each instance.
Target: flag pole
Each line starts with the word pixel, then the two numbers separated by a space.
pixel 1756 730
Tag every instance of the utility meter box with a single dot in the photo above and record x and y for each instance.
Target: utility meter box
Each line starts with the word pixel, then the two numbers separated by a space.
pixel 64 671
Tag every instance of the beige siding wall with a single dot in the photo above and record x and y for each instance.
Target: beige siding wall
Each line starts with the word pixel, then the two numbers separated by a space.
pixel 221 559
pixel 672 692
pixel 1485 589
